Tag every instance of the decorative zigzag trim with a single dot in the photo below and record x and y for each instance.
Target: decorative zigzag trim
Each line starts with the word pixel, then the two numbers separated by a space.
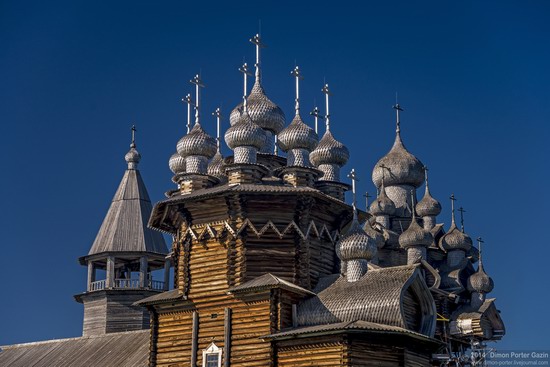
pixel 204 231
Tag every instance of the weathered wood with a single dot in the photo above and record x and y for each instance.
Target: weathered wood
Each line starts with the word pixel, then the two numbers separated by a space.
pixel 194 337
pixel 227 336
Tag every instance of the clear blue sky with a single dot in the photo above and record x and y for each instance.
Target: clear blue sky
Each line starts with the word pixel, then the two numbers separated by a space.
pixel 472 76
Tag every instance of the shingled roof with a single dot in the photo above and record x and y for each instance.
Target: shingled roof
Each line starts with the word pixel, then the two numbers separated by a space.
pixel 124 228
pixel 377 297
pixel 127 349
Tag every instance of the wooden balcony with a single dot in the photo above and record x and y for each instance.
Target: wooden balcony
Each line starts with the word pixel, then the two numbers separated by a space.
pixel 99 285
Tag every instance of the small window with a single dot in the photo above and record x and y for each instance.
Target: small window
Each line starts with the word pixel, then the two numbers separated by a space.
pixel 212 356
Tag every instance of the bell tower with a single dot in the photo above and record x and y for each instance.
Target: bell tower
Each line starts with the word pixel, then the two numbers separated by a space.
pixel 122 259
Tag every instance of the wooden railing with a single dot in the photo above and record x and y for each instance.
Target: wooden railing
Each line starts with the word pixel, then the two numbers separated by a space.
pixel 127 284
pixel 97 285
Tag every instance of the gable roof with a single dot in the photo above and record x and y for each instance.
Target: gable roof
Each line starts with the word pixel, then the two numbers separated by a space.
pixel 268 281
pixel 124 228
pixel 376 297
pixel 126 349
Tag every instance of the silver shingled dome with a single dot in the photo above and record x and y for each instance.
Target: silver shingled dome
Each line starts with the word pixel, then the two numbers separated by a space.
pixel 197 142
pixel 245 133
pixel 415 236
pixel 132 156
pixel 215 166
pixel 298 135
pixel 455 239
pixel 177 163
pixel 428 206
pixel 356 244
pixel 382 205
pixel 262 111
pixel 402 168
pixel 480 282
pixel 329 151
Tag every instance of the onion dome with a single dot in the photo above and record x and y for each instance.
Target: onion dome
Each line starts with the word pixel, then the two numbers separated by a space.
pixel 298 135
pixel 133 155
pixel 480 282
pixel 382 205
pixel 400 166
pixel 215 167
pixel 329 151
pixel 177 163
pixel 245 133
pixel 455 239
pixel 356 244
pixel 262 111
pixel 197 143
pixel 428 206
pixel 415 236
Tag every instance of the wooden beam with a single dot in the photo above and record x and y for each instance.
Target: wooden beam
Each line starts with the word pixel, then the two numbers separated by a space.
pixel 227 337
pixel 110 282
pixel 194 338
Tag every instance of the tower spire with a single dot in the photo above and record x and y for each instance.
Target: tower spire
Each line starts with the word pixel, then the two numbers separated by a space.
pixel 453 199
pixel 244 69
pixel 189 100
pixel 462 211
pixel 327 93
pixel 258 42
pixel 218 114
pixel 315 113
pixel 198 85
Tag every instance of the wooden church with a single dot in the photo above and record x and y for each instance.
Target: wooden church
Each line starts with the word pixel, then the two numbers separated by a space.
pixel 271 266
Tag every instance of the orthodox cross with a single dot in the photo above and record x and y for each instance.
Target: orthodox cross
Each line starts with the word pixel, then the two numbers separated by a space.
pixel 367 197
pixel 397 109
pixel 297 75
pixel 218 114
pixel 198 84
pixel 190 103
pixel 354 179
pixel 258 42
pixel 133 145
pixel 327 93
pixel 453 199
pixel 479 243
pixel 244 69
pixel 462 211
pixel 315 113
pixel 425 168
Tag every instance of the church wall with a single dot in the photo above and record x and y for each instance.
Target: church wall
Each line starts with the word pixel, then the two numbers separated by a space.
pixel 210 274
pixel 325 351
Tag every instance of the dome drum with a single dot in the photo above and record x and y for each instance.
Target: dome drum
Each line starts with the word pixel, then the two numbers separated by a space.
pixel 428 222
pixel 245 154
pixel 415 255
pixel 401 197
pixel 355 269
pixel 331 172
pixel 298 158
pixel 197 164
pixel 269 145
